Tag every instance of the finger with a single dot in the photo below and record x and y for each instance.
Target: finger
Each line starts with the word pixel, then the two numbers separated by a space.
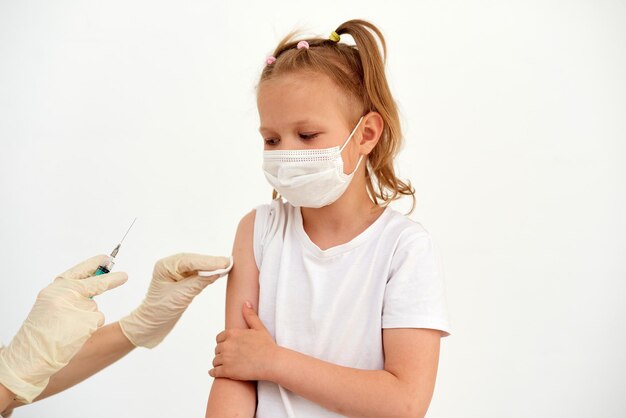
pixel 216 372
pixel 197 284
pixel 221 337
pixel 218 348
pixel 202 280
pixel 217 360
pixel 100 317
pixel 191 286
pixel 189 262
pixel 97 285
pixel 84 269
pixel 251 317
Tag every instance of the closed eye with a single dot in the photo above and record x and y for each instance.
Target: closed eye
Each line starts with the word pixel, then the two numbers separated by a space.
pixel 305 137
pixel 308 136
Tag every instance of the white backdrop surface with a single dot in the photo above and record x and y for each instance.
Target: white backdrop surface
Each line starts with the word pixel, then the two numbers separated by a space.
pixel 514 114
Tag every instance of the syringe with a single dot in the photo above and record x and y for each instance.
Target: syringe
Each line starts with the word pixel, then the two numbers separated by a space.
pixel 108 264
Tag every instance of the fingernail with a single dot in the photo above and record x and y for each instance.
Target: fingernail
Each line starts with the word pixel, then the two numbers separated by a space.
pixel 248 305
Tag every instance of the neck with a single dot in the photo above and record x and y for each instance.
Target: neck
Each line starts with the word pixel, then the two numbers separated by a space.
pixel 348 212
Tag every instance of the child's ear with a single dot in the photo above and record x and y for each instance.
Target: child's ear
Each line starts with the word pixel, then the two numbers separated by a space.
pixel 372 130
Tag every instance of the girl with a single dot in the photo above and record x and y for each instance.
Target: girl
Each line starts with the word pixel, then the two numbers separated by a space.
pixel 351 301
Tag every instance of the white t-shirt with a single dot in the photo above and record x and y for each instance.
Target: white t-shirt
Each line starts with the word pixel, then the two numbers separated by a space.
pixel 332 304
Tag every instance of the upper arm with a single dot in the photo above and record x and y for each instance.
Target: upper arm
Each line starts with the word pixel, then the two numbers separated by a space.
pixel 412 355
pixel 243 279
pixel 235 397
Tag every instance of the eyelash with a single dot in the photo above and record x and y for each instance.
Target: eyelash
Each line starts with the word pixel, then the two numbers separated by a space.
pixel 305 137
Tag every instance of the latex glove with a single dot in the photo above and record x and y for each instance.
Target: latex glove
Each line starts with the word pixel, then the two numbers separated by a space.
pixel 175 282
pixel 59 323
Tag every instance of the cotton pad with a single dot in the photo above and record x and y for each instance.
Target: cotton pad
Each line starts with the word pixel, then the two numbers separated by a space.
pixel 221 272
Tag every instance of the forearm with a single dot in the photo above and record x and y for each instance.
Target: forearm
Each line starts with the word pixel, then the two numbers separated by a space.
pixel 344 390
pixel 106 346
pixel 231 398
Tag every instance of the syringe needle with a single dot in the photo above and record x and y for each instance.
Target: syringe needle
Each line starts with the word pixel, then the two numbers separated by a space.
pixel 116 249
pixel 107 265
pixel 127 231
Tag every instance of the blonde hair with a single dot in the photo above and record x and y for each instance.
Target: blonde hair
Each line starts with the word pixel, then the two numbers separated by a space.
pixel 359 70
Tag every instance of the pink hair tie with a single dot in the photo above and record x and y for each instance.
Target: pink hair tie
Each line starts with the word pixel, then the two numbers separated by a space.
pixel 303 44
pixel 270 60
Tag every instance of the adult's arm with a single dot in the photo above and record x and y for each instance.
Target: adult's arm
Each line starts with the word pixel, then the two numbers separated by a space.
pixel 106 346
pixel 6 396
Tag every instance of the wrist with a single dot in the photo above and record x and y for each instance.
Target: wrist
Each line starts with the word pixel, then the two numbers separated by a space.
pixel 276 364
pixel 143 330
pixel 14 381
pixel 125 333
pixel 6 397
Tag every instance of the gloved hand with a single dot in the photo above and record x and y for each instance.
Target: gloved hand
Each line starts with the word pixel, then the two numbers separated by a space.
pixel 60 322
pixel 175 282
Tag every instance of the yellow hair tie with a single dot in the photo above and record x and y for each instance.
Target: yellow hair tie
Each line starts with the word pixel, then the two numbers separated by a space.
pixel 334 36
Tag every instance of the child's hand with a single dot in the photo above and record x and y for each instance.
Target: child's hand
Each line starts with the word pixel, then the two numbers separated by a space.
pixel 245 354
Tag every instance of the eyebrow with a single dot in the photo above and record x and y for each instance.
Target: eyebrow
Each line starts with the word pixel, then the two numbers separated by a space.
pixel 298 122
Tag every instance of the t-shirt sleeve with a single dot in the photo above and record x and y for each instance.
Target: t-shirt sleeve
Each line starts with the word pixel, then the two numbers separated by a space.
pixel 415 291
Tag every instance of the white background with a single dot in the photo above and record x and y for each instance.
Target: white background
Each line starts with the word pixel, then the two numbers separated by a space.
pixel 514 115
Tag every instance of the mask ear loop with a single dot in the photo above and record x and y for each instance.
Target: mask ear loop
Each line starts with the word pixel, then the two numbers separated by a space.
pixel 351 133
pixel 346 143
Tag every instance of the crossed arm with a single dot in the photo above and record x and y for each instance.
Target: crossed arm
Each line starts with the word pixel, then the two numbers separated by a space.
pixel 403 388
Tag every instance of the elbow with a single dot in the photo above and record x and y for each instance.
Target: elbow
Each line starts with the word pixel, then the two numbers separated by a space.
pixel 413 408
pixel 413 411
pixel 418 412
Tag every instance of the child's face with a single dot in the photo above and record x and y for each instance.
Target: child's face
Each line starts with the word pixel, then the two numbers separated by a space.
pixel 303 111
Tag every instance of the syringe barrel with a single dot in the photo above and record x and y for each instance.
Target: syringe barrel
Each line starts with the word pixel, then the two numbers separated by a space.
pixel 106 266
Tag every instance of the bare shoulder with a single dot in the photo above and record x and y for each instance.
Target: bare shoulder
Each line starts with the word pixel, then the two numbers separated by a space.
pixel 246 224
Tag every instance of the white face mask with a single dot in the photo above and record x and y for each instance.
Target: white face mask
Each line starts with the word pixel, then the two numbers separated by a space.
pixel 310 177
